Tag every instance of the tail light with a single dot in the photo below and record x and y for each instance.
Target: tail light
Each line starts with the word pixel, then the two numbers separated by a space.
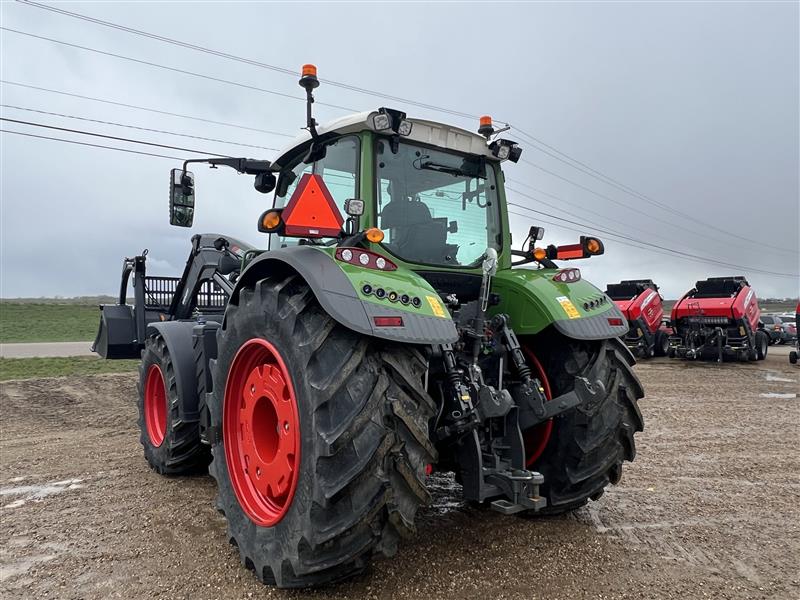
pixel 567 276
pixel 365 258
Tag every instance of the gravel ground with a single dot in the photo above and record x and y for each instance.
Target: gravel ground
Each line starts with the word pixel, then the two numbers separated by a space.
pixel 709 508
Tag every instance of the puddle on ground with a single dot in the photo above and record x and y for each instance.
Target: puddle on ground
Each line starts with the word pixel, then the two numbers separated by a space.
pixel 773 376
pixel 37 493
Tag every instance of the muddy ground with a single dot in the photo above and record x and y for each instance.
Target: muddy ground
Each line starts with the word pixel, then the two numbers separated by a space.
pixel 708 509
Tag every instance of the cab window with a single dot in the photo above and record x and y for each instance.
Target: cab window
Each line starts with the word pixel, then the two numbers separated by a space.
pixel 339 171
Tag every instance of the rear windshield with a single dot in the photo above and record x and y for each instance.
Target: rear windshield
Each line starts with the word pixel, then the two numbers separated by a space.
pixel 768 319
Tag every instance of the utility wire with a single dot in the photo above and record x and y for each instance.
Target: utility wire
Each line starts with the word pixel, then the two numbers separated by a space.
pixel 241 59
pixel 552 173
pixel 173 69
pixel 144 108
pixel 55 139
pixel 679 254
pixel 645 213
pixel 196 137
pixel 112 137
pixel 600 176
pixel 656 246
pixel 542 202
pixel 539 144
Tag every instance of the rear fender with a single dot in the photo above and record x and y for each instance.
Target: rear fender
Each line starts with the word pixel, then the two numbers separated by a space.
pixel 338 286
pixel 577 310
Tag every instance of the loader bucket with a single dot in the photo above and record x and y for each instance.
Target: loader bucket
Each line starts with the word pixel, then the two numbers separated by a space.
pixel 116 335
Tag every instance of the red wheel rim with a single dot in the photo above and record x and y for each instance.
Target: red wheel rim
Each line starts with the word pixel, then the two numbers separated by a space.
pixel 155 405
pixel 261 432
pixel 536 437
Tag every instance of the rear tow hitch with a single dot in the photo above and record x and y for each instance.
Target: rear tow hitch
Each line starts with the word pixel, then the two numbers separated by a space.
pixel 521 489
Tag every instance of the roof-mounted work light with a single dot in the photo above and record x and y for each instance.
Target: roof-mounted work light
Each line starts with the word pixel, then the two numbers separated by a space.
pixel 506 150
pixel 389 119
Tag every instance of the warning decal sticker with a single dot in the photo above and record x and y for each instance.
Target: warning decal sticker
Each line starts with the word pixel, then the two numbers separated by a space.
pixel 568 307
pixel 436 306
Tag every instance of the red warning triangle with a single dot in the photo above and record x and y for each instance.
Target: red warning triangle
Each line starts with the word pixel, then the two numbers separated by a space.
pixel 311 211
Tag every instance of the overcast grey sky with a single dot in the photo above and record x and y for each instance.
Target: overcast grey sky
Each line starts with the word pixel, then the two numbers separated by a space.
pixel 694 105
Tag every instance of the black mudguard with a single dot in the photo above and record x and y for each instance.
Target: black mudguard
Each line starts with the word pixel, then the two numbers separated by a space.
pixel 178 337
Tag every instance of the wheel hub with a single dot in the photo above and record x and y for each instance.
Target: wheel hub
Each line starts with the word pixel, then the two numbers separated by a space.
pixel 261 432
pixel 536 438
pixel 155 405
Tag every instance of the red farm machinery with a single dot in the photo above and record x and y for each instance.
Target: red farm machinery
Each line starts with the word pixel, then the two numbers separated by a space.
pixel 642 305
pixel 718 318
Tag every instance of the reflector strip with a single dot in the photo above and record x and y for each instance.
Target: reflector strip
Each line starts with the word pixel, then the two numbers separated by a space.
pixel 569 252
pixel 615 322
pixel 388 321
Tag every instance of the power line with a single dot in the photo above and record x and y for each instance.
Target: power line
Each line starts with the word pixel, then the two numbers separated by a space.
pixel 247 86
pixel 111 137
pixel 173 69
pixel 646 214
pixel 55 139
pixel 621 233
pixel 536 142
pixel 562 201
pixel 241 59
pixel 600 176
pixel 196 137
pixel 656 246
pixel 144 108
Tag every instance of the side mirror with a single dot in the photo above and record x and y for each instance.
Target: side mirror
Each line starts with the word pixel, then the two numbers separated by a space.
pixel 181 198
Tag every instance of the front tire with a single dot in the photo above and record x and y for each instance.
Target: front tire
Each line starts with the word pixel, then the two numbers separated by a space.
pixel 359 417
pixel 588 444
pixel 762 345
pixel 172 445
pixel 661 343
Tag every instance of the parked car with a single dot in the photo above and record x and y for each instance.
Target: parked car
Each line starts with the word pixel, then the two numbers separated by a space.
pixel 779 331
pixel 790 321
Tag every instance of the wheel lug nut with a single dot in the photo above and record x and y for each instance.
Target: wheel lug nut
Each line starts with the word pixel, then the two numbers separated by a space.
pixel 286 426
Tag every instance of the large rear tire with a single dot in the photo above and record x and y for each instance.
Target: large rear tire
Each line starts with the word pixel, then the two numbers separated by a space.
pixel 172 445
pixel 352 433
pixel 587 445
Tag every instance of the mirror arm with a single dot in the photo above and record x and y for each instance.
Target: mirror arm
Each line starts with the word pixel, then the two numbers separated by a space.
pixel 248 166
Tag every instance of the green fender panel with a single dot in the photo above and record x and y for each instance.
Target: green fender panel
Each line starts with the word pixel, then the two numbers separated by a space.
pixel 338 287
pixel 534 301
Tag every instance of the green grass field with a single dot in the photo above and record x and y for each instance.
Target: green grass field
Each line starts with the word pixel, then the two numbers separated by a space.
pixel 32 368
pixel 31 322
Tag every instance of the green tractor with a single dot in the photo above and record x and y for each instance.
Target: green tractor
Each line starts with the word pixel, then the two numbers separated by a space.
pixel 387 332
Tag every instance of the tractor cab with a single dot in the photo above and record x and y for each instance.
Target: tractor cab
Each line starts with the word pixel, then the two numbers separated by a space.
pixel 431 189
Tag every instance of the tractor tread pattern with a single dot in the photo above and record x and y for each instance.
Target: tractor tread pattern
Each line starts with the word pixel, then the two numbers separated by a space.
pixel 181 452
pixel 369 445
pixel 589 445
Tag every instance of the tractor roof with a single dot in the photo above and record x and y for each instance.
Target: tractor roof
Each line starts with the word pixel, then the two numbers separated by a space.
pixel 426 132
